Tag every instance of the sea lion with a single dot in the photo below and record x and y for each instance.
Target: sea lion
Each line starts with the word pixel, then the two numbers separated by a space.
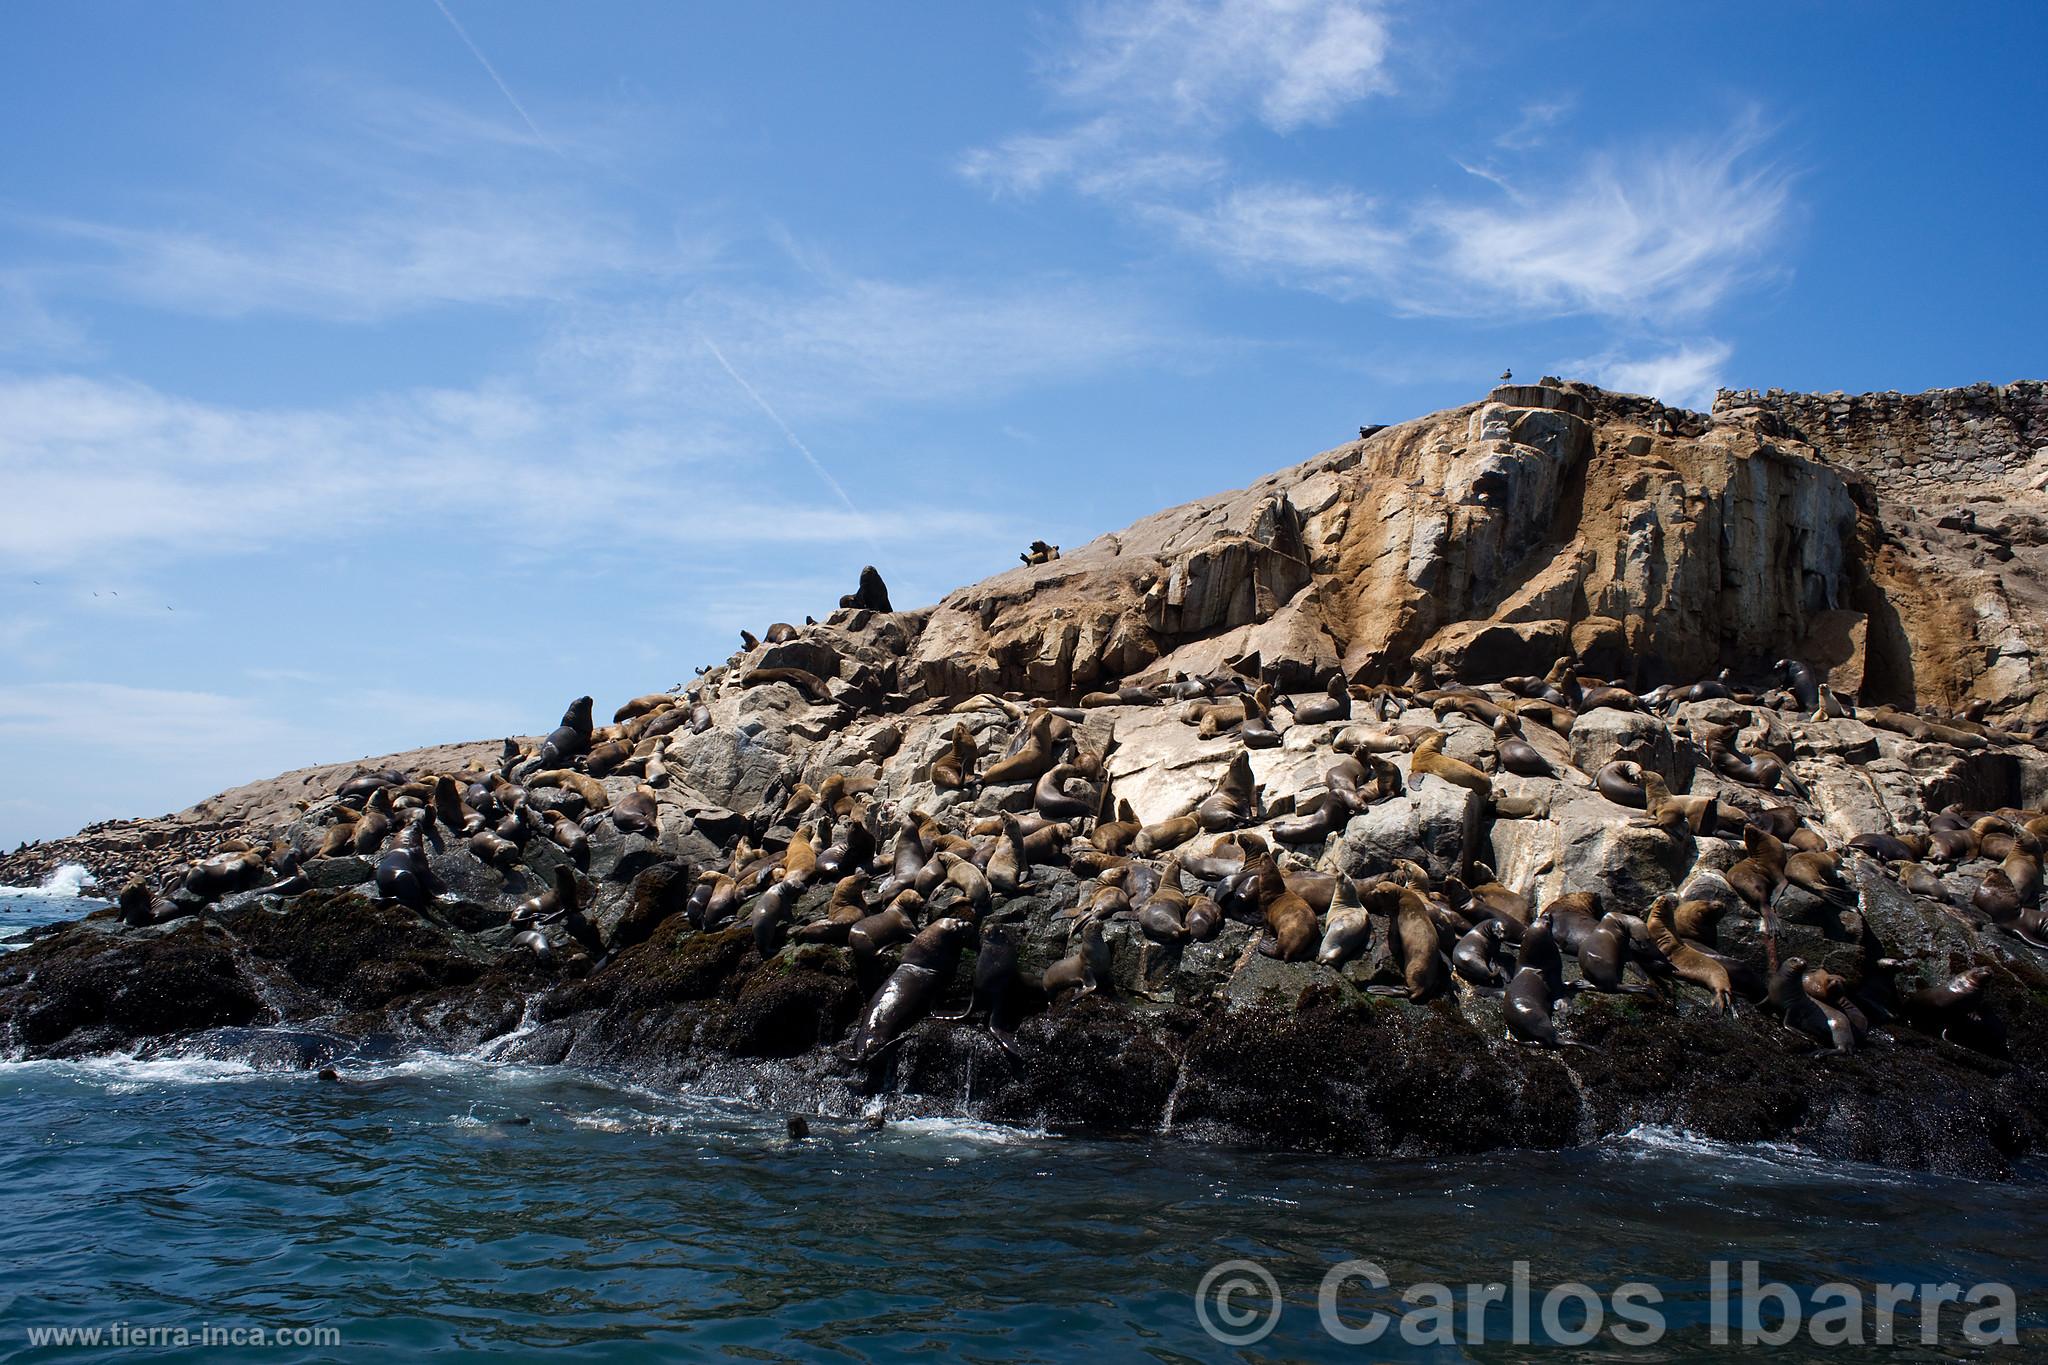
pixel 875 934
pixel 1349 930
pixel 1326 815
pixel 641 706
pixel 912 989
pixel 368 833
pixel 954 769
pixel 1165 835
pixel 568 779
pixel 995 980
pixel 1677 815
pixel 1757 877
pixel 1429 757
pixel 1604 954
pixel 1526 1008
pixel 570 838
pixel 1517 755
pixel 139 908
pixel 771 915
pixel 1034 754
pixel 1204 919
pixel 487 846
pixel 1335 704
pixel 1819 873
pixel 1689 962
pixel 1257 731
pixel 1416 945
pixel 1084 969
pixel 1051 799
pixel 402 876
pixel 1114 836
pixel 1573 917
pixel 872 595
pixel 1804 1014
pixel 966 878
pixel 846 908
pixel 449 809
pixel 1007 864
pixel 1231 804
pixel 635 812
pixel 1622 783
pixel 1473 958
pixel 1288 917
pixel 1803 682
pixel 1996 897
pixel 1937 1009
pixel 1162 917
pixel 570 739
pixel 1891 848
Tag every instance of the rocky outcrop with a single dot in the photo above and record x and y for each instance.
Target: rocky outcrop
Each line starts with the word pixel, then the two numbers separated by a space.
pixel 1552 519
pixel 1425 577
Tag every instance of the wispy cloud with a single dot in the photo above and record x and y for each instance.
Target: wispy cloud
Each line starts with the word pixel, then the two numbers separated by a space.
pixel 839 345
pixel 1666 231
pixel 413 251
pixel 1685 377
pixel 111 471
pixel 1152 86
pixel 1533 126
pixel 1285 62
pixel 1158 82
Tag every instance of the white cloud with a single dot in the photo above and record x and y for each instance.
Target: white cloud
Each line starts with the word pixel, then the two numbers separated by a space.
pixel 1332 241
pixel 843 345
pixel 1654 236
pixel 1157 81
pixel 1683 378
pixel 410 253
pixel 110 471
pixel 1538 117
pixel 1662 232
pixel 1285 62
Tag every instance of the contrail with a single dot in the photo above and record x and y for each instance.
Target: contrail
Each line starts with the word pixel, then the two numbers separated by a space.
pixel 492 71
pixel 803 449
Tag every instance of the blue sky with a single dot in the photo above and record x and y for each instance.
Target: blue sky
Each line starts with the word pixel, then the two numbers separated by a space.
pixel 379 374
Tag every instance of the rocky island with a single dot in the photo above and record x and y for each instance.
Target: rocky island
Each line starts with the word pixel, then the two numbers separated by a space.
pixel 1507 777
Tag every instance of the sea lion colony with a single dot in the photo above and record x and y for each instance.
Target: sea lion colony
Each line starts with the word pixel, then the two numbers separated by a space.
pixel 1009 839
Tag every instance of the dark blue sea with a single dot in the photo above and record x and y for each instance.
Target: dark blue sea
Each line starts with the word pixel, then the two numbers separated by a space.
pixel 443 1204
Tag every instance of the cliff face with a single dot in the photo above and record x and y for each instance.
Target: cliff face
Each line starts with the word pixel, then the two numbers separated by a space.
pixel 1555 518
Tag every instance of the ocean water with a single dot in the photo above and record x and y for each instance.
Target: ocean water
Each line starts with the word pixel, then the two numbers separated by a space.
pixel 440 1204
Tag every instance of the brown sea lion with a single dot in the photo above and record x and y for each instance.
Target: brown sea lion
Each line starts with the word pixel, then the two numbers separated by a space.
pixel 1165 835
pixel 1349 929
pixel 954 769
pixel 1417 946
pixel 1085 969
pixel 1689 962
pixel 1678 815
pixel 1287 916
pixel 1034 755
pixel 1429 758
pixel 636 813
pixel 1804 1014
pixel 1334 705
pixel 1233 799
pixel 1622 783
pixel 1517 755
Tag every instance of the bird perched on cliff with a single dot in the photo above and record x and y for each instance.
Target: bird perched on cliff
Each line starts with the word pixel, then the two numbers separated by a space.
pixel 1506 375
